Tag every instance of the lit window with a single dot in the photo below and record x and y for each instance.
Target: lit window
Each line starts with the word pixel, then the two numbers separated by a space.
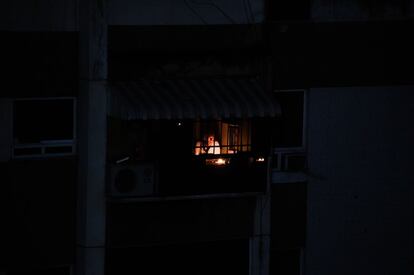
pixel 222 137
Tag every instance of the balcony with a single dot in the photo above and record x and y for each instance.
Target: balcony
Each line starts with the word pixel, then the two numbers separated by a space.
pixel 195 176
pixel 212 174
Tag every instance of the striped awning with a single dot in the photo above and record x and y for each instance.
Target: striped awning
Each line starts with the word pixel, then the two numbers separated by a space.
pixel 190 99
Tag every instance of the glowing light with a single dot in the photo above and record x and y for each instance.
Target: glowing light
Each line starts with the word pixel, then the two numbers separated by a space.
pixel 260 159
pixel 220 162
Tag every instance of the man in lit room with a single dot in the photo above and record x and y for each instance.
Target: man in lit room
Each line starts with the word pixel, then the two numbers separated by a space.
pixel 208 146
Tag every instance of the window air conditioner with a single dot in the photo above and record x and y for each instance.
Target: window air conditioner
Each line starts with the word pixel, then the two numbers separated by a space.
pixel 294 162
pixel 132 180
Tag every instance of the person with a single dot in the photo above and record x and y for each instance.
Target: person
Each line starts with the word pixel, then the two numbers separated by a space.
pixel 208 146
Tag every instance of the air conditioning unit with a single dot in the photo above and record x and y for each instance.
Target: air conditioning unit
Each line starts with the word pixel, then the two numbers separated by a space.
pixel 132 180
pixel 294 162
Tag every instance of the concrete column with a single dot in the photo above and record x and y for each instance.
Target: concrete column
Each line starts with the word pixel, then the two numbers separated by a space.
pixel 260 241
pixel 90 258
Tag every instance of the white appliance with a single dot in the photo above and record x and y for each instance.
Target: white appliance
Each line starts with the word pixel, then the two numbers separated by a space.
pixel 132 180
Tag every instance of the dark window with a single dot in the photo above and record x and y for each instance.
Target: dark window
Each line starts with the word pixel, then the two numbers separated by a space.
pixel 43 127
pixel 294 161
pixel 290 125
pixel 43 120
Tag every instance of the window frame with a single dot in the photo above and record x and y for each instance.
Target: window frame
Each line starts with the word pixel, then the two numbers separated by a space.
pixel 42 147
pixel 281 154
pixel 302 147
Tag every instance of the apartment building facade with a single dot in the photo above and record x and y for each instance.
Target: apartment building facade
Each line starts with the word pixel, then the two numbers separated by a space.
pixel 308 102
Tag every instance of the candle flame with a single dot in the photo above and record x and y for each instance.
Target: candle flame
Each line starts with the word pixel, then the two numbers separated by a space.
pixel 220 161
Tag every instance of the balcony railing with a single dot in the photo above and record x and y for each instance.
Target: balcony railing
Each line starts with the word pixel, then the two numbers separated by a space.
pixel 190 176
pixel 209 174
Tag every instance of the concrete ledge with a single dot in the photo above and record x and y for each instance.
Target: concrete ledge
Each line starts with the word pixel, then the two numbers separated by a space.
pixel 279 177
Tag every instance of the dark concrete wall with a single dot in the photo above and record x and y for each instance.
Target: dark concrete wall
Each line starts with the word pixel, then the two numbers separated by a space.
pixel 34 15
pixel 344 10
pixel 170 12
pixel 63 15
pixel 166 222
pixel 360 207
pixel 37 211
